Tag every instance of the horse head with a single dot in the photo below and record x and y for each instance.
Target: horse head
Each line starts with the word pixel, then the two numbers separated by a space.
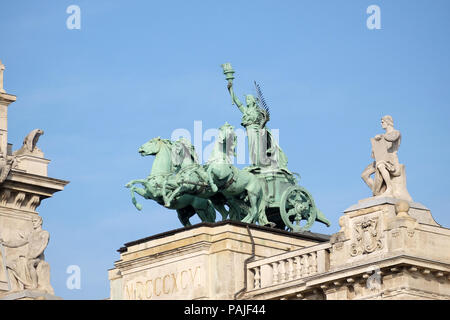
pixel 228 139
pixel 152 147
pixel 183 153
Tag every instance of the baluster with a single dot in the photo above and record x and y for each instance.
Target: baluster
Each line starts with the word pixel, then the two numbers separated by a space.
pixel 313 263
pixel 291 269
pixel 282 270
pixel 305 265
pixel 298 267
pixel 257 283
pixel 275 272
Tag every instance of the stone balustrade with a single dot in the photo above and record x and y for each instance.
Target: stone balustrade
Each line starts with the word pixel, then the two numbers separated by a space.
pixel 290 266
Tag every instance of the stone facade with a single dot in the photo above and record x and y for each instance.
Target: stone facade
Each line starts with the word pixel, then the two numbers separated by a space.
pixel 205 261
pixel 386 249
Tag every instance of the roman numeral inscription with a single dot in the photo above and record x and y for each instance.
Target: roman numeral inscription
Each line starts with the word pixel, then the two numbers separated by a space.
pixel 166 285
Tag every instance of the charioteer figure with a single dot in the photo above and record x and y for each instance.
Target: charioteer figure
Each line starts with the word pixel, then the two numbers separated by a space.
pixel 263 148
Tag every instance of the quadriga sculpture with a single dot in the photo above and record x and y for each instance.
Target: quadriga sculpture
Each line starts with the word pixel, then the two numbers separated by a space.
pixel 265 192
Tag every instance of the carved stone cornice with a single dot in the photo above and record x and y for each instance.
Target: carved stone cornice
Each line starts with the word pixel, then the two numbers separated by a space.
pixel 194 249
pixel 6 98
pixel 44 186
pixel 25 191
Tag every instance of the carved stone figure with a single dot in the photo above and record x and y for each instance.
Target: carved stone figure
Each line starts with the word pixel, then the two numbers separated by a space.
pixel 390 175
pixel 28 270
pixel 29 143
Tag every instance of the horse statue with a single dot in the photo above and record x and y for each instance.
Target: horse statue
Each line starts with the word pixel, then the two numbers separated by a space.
pixel 240 190
pixel 167 161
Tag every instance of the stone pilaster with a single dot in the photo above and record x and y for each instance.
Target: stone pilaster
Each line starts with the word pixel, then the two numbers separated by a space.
pixel 5 101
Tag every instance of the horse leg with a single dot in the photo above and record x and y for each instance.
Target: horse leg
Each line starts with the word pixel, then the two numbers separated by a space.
pixel 210 211
pixel 184 214
pixel 204 209
pixel 168 200
pixel 263 221
pixel 210 179
pixel 258 203
pixel 262 217
pixel 236 212
pixel 221 208
pixel 253 214
pixel 164 193
pixel 133 182
pixel 141 192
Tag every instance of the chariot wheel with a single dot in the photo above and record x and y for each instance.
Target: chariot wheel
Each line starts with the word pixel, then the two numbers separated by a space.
pixel 297 204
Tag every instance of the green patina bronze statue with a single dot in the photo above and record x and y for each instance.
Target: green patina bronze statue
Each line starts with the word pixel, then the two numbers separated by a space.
pixel 264 150
pixel 265 193
pixel 163 169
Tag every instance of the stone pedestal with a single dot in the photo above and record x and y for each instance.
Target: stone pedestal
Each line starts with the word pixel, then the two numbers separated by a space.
pixel 32 164
pixel 205 261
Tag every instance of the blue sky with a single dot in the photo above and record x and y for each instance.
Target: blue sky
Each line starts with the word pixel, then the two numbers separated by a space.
pixel 141 69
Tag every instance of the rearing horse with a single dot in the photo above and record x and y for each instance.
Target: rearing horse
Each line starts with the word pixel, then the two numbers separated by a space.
pixel 225 179
pixel 186 205
pixel 233 182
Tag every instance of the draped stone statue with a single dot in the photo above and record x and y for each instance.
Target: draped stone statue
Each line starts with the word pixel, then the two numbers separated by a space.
pixel 263 148
pixel 389 175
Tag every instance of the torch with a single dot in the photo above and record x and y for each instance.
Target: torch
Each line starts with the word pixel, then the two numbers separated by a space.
pixel 228 72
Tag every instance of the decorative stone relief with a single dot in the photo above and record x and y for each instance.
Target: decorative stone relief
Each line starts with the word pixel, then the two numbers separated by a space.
pixel 367 237
pixel 27 269
pixel 5 197
pixel 20 200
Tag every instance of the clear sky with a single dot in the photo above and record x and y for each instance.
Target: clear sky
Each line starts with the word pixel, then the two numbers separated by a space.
pixel 140 69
